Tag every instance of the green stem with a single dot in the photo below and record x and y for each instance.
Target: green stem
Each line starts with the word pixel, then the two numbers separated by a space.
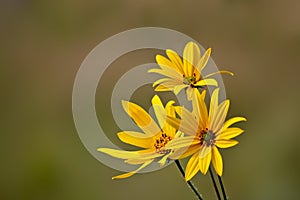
pixel 222 187
pixel 190 184
pixel 214 183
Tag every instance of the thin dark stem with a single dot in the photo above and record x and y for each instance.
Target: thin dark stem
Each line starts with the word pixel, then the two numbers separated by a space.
pixel 214 183
pixel 199 196
pixel 222 187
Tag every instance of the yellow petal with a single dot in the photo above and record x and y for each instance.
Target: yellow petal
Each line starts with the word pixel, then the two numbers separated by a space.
pixel 141 118
pixel 190 92
pixel 173 56
pixel 119 153
pixel 162 80
pixel 133 172
pixel 137 139
pixel 232 121
pixel 182 142
pixel 226 143
pixel 162 88
pixel 170 111
pixel 217 161
pixel 204 151
pixel 204 59
pixel 182 125
pixel 162 61
pixel 159 111
pixel 205 162
pixel 191 56
pixel 164 159
pixel 199 108
pixel 167 71
pixel 192 167
pixel 178 88
pixel 218 72
pixel 229 133
pixel 208 81
pixel 219 116
pixel 184 152
pixel 214 102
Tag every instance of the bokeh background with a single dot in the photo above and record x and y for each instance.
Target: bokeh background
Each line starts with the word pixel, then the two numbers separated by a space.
pixel 43 44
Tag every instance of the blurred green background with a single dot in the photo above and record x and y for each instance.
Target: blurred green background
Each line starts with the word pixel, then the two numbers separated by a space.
pixel 43 44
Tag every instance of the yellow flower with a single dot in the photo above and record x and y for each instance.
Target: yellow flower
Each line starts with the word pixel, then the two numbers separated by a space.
pixel 206 131
pixel 184 74
pixel 152 140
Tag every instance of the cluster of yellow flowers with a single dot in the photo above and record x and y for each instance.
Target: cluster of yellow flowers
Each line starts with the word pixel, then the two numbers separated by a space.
pixel 178 132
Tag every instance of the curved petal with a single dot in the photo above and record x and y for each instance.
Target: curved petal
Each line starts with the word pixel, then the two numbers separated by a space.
pixel 167 71
pixel 170 111
pixel 139 140
pixel 217 161
pixel 226 143
pixel 133 172
pixel 119 153
pixel 162 61
pixel 219 72
pixel 208 81
pixel 192 167
pixel 204 59
pixel 141 118
pixel 173 56
pixel 229 133
pixel 232 121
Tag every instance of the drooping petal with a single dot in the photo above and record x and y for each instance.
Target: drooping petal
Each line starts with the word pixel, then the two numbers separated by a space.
pixel 188 118
pixel 232 121
pixel 164 159
pixel 191 56
pixel 126 175
pixel 162 88
pixel 217 161
pixel 226 143
pixel 137 139
pixel 162 80
pixel 208 81
pixel 141 118
pixel 204 163
pixel 173 56
pixel 229 133
pixel 192 167
pixel 204 59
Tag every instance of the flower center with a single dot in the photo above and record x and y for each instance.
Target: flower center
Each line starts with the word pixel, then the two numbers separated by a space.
pixel 207 137
pixel 189 80
pixel 161 142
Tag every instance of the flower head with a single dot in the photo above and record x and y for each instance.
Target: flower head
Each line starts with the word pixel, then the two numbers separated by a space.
pixel 184 73
pixel 153 140
pixel 207 132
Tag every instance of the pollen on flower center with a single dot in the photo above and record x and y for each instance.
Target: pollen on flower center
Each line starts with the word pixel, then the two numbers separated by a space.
pixel 161 142
pixel 207 137
pixel 189 80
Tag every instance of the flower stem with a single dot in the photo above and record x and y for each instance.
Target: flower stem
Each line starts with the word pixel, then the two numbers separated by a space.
pixel 222 187
pixel 190 184
pixel 214 183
